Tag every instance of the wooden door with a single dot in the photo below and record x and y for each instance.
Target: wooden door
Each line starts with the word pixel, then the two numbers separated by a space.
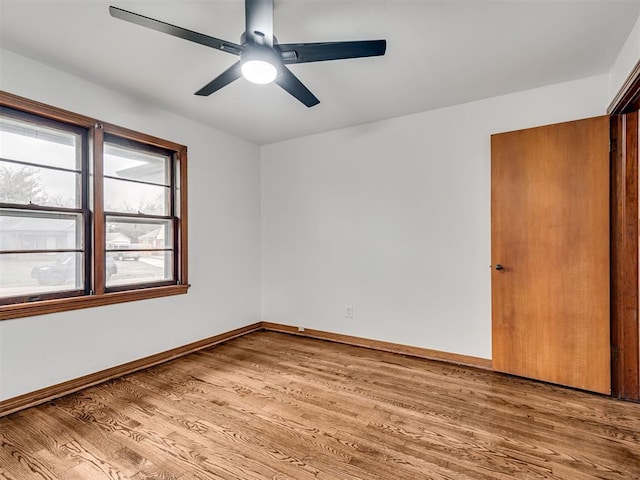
pixel 550 234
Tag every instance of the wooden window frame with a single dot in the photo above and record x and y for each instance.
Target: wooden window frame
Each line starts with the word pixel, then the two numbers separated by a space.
pixel 171 216
pixel 99 294
pixel 32 210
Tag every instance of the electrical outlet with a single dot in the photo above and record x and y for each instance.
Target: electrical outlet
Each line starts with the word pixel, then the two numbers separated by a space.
pixel 348 311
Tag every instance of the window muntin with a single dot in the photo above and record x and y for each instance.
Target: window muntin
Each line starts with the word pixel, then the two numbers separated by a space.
pixel 25 230
pixel 135 164
pixel 41 252
pixel 149 258
pixel 40 165
pixel 37 144
pixel 43 208
pixel 137 178
pixel 156 268
pixel 37 275
pixel 127 196
pixel 150 234
pixel 26 184
pixel 139 220
pixel 92 281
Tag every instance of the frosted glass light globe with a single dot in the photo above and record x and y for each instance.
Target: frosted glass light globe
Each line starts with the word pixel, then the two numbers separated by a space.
pixel 259 71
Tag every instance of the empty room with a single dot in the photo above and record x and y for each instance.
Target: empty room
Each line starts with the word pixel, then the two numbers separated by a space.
pixel 318 239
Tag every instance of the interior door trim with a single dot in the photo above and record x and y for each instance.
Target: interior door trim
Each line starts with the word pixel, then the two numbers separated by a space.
pixel 626 100
pixel 625 296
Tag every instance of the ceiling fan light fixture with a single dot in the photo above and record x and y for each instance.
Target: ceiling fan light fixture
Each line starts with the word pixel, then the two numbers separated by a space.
pixel 262 59
pixel 259 64
pixel 259 71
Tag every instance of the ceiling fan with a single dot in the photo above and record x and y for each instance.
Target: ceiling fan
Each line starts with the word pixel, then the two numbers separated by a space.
pixel 262 58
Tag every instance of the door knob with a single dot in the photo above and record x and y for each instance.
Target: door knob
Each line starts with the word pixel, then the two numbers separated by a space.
pixel 499 267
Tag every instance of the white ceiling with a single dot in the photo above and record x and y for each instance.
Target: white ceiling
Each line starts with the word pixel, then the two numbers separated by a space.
pixel 439 53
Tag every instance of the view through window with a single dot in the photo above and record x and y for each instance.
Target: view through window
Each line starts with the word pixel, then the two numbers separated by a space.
pixel 138 192
pixel 42 222
pixel 87 210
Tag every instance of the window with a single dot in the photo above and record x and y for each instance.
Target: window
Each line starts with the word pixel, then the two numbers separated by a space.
pixel 139 214
pixel 44 215
pixel 90 213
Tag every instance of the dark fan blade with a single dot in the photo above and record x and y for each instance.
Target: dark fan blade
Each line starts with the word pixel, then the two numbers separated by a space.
pixel 288 81
pixel 179 32
pixel 258 16
pixel 320 52
pixel 224 79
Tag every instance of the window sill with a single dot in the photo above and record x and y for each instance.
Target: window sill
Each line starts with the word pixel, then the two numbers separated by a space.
pixel 88 301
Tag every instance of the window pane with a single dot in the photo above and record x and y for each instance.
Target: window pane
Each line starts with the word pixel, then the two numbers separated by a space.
pixel 131 197
pixel 39 231
pixel 135 164
pixel 134 234
pixel 24 184
pixel 36 273
pixel 150 267
pixel 45 146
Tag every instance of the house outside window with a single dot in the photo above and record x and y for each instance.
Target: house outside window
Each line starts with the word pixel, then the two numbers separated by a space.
pixel 90 213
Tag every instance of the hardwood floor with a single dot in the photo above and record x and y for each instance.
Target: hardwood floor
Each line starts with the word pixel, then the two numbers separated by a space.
pixel 275 406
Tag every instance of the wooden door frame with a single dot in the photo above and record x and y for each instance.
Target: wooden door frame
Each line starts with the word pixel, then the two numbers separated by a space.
pixel 625 296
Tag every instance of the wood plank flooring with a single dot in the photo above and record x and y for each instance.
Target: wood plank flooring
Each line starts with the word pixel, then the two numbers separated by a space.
pixel 275 406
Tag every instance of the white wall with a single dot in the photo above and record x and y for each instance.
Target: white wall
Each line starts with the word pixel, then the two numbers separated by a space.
pixel 224 247
pixel 626 61
pixel 391 217
pixel 394 218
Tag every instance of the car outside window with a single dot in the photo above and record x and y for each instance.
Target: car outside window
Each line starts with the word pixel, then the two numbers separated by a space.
pixel 90 213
